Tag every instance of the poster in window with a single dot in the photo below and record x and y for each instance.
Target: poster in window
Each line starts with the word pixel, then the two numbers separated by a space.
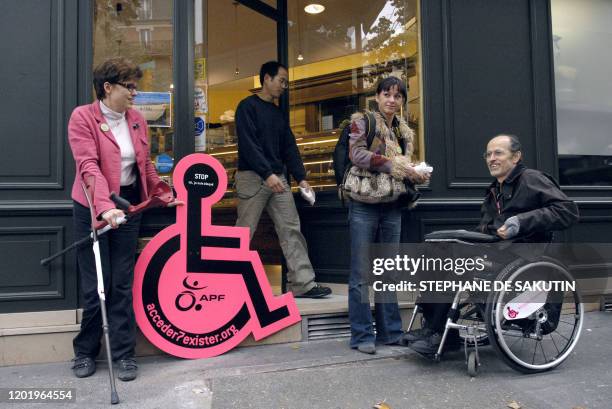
pixel 156 107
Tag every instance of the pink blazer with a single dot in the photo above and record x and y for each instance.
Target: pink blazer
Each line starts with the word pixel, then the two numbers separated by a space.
pixel 97 154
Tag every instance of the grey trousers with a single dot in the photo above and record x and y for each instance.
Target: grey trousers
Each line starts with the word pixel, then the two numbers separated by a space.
pixel 253 197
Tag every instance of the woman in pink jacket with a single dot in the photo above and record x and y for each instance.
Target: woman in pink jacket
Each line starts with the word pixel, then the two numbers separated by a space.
pixel 109 144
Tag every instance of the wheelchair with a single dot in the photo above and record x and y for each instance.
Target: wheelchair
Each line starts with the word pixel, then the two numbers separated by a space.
pixel 532 331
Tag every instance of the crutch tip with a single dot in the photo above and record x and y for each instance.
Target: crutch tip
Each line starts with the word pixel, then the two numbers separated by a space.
pixel 114 398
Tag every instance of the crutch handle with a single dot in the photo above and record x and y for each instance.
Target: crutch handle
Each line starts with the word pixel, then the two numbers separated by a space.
pixel 120 202
pixel 107 227
pixel 162 196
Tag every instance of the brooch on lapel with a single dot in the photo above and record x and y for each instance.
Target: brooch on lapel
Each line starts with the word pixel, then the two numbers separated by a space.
pixel 104 127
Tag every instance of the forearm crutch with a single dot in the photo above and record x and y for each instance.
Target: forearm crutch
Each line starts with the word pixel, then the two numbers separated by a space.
pixel 162 196
pixel 101 294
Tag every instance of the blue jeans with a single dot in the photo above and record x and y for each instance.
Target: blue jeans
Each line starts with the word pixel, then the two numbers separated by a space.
pixel 372 223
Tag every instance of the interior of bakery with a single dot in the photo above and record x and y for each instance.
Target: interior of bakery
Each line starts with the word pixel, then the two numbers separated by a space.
pixel 336 53
pixel 335 58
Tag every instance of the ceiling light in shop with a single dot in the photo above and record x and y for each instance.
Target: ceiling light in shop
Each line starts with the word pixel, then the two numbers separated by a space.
pixel 300 57
pixel 314 8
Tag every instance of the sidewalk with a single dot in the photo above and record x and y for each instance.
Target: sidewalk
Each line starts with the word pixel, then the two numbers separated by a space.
pixel 327 374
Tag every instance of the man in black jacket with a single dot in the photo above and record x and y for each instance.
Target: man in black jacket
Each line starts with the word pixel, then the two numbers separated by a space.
pixel 521 204
pixel 266 148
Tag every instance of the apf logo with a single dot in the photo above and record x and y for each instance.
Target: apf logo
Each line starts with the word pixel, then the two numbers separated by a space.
pixel 512 313
pixel 198 289
pixel 188 299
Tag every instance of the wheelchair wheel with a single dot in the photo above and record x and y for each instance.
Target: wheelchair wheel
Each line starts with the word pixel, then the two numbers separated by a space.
pixel 472 314
pixel 472 364
pixel 546 337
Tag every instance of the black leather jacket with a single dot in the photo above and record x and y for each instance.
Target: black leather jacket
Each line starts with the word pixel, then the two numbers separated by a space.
pixel 535 198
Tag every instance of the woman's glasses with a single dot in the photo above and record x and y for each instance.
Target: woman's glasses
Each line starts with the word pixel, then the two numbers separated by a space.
pixel 129 86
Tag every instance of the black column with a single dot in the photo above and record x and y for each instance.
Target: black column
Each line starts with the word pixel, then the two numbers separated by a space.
pixel 184 21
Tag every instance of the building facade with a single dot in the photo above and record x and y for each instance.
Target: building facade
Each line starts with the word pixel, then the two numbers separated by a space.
pixel 475 68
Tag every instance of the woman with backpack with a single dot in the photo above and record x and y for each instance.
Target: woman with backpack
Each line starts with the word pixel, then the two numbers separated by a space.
pixel 378 183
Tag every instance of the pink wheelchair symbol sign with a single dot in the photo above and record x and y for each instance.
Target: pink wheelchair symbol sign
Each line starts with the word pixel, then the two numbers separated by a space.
pixel 198 289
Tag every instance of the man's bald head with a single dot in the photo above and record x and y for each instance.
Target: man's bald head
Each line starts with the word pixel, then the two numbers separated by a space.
pixel 502 155
pixel 514 145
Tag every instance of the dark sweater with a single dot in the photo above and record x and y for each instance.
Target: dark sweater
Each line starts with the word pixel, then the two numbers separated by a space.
pixel 265 142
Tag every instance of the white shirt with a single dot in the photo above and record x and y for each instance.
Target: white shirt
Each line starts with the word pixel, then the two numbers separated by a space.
pixel 119 127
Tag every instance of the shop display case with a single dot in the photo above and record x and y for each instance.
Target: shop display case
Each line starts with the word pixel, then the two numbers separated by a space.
pixel 316 151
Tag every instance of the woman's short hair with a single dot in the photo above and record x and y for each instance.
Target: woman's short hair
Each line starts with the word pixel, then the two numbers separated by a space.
pixel 114 70
pixel 390 82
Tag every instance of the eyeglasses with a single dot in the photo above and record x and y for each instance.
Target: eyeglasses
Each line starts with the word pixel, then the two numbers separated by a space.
pixel 130 87
pixel 497 153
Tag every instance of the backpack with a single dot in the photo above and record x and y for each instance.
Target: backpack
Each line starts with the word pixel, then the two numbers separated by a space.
pixel 342 162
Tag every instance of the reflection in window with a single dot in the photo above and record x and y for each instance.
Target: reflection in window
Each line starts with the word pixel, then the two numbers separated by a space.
pixel 145 11
pixel 581 38
pixel 336 58
pixel 126 29
pixel 145 38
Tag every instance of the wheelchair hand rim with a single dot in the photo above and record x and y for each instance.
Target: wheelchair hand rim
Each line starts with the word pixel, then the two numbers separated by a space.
pixel 575 332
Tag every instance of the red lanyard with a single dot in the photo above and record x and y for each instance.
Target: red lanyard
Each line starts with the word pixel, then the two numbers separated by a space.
pixel 497 199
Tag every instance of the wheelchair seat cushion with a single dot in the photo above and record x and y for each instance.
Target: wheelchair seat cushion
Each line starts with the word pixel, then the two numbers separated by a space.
pixel 463 235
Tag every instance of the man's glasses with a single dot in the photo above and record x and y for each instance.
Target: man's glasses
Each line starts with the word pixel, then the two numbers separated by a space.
pixel 130 87
pixel 497 153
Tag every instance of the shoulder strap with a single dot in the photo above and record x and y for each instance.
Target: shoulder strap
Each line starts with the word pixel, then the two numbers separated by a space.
pixel 370 120
pixel 401 141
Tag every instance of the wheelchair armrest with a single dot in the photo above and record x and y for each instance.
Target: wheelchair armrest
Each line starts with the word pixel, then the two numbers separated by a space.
pixel 462 235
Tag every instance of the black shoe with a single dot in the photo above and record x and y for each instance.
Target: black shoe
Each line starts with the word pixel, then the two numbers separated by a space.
pixel 83 367
pixel 415 335
pixel 429 346
pixel 128 370
pixel 318 291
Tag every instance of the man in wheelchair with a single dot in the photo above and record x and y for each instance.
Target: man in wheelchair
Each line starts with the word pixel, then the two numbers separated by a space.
pixel 522 205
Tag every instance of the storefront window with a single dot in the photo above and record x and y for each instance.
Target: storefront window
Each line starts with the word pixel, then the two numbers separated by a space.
pixel 142 31
pixel 231 43
pixel 581 38
pixel 336 58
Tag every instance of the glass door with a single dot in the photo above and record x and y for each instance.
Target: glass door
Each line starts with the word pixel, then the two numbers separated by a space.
pixel 337 54
pixel 231 42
